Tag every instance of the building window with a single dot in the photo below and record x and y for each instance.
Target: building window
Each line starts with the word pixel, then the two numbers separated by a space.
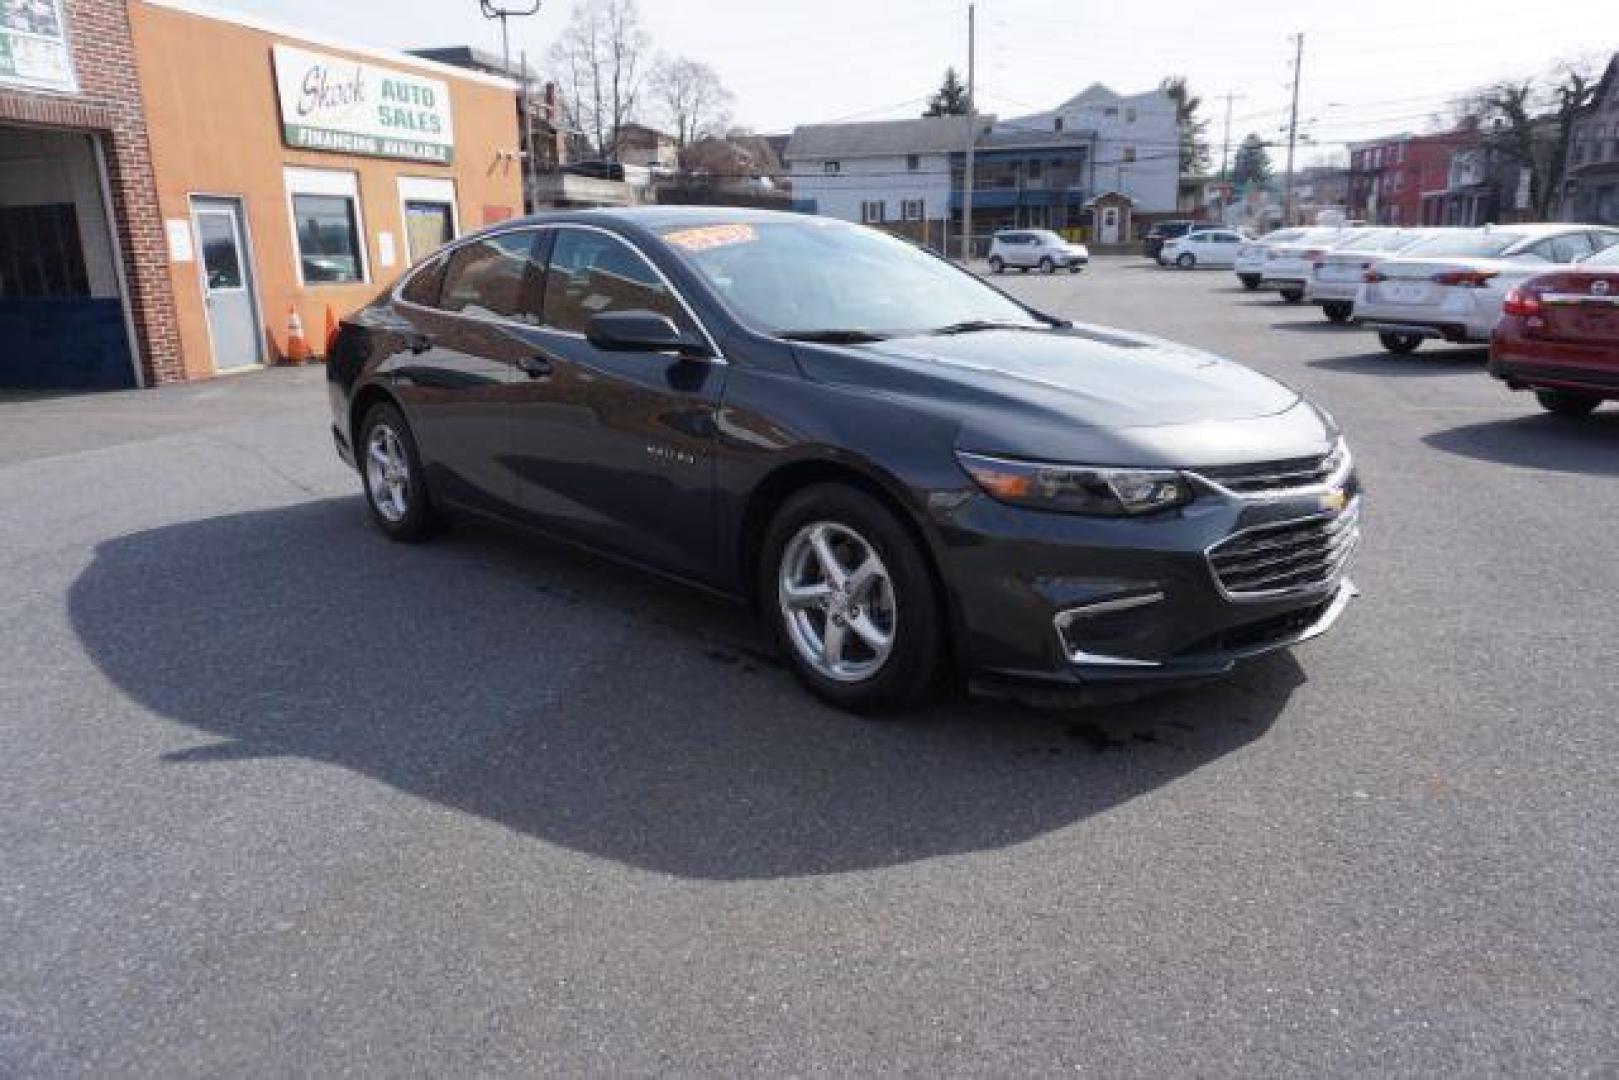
pixel 1129 154
pixel 913 162
pixel 1111 111
pixel 430 221
pixel 1129 116
pixel 1034 168
pixel 872 212
pixel 831 168
pixel 911 209
pixel 1056 125
pixel 326 226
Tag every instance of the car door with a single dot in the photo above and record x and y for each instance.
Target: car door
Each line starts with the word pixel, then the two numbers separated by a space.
pixel 461 365
pixel 1223 252
pixel 617 448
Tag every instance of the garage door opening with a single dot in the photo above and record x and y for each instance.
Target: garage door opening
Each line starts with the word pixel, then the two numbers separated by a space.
pixel 64 323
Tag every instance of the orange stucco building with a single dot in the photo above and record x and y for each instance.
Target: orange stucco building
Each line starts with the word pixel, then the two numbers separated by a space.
pixel 298 174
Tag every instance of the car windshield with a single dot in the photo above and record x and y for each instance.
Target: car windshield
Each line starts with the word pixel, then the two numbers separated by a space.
pixel 1464 244
pixel 1049 238
pixel 817 276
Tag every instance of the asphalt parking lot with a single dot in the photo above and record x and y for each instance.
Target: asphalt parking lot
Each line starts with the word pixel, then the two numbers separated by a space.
pixel 277 796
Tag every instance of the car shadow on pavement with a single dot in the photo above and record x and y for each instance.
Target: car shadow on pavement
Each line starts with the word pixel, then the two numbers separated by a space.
pixel 593 707
pixel 1586 447
pixel 1442 361
pixel 1318 325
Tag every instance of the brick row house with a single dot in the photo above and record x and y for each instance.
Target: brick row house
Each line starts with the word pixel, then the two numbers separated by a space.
pixel 181 185
pixel 1388 177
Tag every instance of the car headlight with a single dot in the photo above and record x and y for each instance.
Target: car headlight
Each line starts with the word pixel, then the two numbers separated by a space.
pixel 1077 489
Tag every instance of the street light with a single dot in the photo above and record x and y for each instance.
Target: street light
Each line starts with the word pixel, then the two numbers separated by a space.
pixel 492 10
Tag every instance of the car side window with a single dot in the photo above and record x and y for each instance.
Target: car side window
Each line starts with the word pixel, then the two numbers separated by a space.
pixel 592 273
pixel 1570 248
pixel 423 286
pixel 1602 241
pixel 496 276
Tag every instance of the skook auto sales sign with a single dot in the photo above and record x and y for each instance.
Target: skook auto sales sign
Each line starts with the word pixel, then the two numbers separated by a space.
pixel 348 107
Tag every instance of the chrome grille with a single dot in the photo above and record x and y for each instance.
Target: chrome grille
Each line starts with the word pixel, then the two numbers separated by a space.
pixel 1271 476
pixel 1286 557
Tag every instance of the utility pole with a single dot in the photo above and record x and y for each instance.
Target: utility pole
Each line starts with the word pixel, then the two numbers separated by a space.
pixel 1293 128
pixel 972 138
pixel 1225 143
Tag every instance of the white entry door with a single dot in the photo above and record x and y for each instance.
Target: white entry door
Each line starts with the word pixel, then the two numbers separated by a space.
pixel 227 282
pixel 1110 224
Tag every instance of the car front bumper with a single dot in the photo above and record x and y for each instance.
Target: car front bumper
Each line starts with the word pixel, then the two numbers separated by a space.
pixel 1055 600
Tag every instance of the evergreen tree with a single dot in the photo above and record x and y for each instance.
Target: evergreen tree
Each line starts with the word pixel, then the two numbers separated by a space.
pixel 951 100
pixel 1194 148
pixel 1251 165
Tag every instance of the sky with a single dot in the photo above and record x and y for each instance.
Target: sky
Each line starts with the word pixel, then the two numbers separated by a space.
pixel 1369 67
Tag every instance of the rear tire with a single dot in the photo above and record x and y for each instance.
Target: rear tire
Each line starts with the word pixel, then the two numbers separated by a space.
pixel 1398 343
pixel 1047 266
pixel 1337 311
pixel 1567 402
pixel 1292 296
pixel 996 266
pixel 1187 261
pixel 395 482
pixel 896 597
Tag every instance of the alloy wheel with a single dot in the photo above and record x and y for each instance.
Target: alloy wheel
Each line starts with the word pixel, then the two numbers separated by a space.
pixel 387 471
pixel 837 601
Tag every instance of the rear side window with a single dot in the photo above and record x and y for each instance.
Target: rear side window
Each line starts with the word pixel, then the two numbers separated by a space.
pixel 494 277
pixel 1478 245
pixel 592 273
pixel 1563 249
pixel 424 285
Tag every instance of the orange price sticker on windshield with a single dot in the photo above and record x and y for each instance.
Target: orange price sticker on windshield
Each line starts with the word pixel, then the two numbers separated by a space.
pixel 708 237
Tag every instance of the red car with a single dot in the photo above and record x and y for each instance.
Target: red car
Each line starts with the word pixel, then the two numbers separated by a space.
pixel 1559 336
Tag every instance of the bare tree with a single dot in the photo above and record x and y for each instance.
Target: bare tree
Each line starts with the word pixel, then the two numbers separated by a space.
pixel 690 99
pixel 1531 124
pixel 598 63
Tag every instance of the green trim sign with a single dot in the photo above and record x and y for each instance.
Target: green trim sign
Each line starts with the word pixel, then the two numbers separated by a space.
pixel 344 106
pixel 33 45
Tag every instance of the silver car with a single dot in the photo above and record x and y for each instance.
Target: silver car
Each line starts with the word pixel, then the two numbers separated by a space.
pixel 1030 249
pixel 1450 286
pixel 1336 276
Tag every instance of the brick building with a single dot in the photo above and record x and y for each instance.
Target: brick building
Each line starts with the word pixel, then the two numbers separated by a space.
pixel 85 298
pixel 1388 177
pixel 176 181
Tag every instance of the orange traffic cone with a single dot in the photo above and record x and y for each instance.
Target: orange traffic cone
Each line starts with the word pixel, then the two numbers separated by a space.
pixel 297 346
pixel 331 332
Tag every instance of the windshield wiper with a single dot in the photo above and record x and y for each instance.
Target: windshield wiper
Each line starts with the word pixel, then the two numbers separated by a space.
pixel 973 326
pixel 833 337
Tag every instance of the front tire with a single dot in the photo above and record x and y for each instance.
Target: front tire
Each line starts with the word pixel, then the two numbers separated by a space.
pixel 1186 261
pixel 1292 296
pixel 1047 266
pixel 1337 311
pixel 996 266
pixel 1567 403
pixel 1398 343
pixel 1249 281
pixel 395 483
pixel 851 600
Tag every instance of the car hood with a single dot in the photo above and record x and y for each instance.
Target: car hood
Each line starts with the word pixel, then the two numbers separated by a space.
pixel 1035 392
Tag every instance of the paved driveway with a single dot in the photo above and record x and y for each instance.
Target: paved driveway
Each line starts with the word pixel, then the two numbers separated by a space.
pixel 277 796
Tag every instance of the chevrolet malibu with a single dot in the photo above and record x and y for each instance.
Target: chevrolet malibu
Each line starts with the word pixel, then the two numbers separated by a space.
pixel 908 472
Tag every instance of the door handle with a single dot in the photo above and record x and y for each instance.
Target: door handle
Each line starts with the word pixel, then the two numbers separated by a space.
pixel 536 367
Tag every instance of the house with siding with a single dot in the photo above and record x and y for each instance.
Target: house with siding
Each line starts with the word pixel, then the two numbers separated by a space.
pixel 1591 190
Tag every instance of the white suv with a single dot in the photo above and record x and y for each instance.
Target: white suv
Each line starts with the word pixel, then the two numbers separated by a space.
pixel 1026 249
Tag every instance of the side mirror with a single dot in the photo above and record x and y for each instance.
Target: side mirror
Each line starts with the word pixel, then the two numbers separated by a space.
pixel 641 331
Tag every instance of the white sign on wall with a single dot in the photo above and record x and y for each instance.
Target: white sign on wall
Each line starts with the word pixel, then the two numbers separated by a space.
pixel 33 45
pixel 348 107
pixel 180 246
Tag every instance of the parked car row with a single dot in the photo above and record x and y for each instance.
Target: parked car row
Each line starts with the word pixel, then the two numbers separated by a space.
pixel 1544 296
